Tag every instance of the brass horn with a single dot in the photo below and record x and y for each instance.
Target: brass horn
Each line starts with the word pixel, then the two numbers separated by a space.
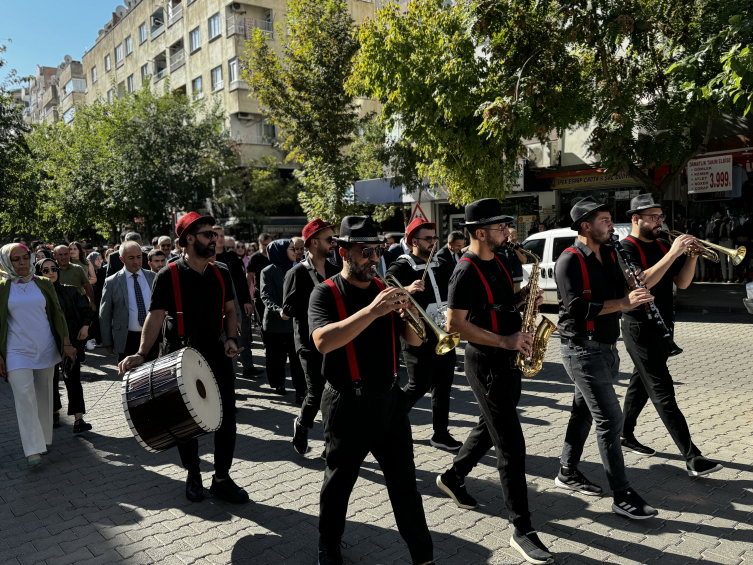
pixel 446 341
pixel 710 250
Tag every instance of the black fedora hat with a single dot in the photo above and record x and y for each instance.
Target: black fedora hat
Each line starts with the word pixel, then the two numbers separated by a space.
pixel 358 229
pixel 485 212
pixel 640 203
pixel 583 209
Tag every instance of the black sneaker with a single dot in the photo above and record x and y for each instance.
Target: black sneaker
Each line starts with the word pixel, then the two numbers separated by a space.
pixel 281 391
pixel 300 436
pixel 252 372
pixel 699 466
pixel 630 504
pixel 446 441
pixel 81 426
pixel 578 482
pixel 330 554
pixel 631 445
pixel 194 488
pixel 530 547
pixel 228 491
pixel 55 419
pixel 455 489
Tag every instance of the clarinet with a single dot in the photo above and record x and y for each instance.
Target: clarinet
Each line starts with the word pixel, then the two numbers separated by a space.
pixel 652 312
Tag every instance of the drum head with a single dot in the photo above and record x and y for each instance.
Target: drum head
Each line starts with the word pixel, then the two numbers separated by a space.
pixel 200 391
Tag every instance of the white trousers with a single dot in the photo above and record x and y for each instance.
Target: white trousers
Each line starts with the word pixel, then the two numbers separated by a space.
pixel 32 393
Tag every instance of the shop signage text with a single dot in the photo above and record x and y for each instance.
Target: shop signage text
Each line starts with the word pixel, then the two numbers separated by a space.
pixel 591 181
pixel 710 174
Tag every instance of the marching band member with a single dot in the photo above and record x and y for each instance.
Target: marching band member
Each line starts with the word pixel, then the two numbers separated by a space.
pixel 591 293
pixel 426 369
pixel 662 265
pixel 355 326
pixel 483 308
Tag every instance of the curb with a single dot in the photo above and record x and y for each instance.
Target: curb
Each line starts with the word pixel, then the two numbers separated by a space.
pixel 711 309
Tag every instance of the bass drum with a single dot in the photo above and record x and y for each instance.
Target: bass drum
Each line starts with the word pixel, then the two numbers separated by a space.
pixel 172 399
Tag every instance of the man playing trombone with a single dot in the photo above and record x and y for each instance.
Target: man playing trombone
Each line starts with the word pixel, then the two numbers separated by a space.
pixel 355 323
pixel 663 265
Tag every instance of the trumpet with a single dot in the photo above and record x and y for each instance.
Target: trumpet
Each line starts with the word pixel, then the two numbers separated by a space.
pixel 710 250
pixel 446 341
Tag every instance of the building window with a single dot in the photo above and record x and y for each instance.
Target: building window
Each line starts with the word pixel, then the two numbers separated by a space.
pixel 119 53
pixel 267 130
pixel 214 26
pixel 128 46
pixel 74 85
pixel 195 39
pixel 94 74
pixel 232 71
pixel 130 85
pixel 142 33
pixel 216 75
pixel 144 72
pixel 68 116
pixel 196 89
pixel 107 63
pixel 109 96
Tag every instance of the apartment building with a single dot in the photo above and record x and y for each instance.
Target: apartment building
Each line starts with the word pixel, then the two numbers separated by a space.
pixel 197 44
pixel 40 96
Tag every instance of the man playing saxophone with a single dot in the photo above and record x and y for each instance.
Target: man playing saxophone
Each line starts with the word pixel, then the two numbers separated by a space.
pixel 484 309
pixel 662 265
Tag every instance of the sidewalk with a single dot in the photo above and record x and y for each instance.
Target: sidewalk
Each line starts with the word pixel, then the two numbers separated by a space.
pixel 715 298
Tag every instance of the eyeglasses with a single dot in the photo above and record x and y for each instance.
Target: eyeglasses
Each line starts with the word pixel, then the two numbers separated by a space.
pixel 209 234
pixel 330 239
pixel 654 217
pixel 367 252
pixel 166 245
pixel 428 239
pixel 48 270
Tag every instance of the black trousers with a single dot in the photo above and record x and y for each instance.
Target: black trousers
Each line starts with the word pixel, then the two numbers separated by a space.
pixel 73 386
pixel 280 348
pixel 497 390
pixel 224 437
pixel 311 361
pixel 429 371
pixel 651 379
pixel 375 422
pixel 133 342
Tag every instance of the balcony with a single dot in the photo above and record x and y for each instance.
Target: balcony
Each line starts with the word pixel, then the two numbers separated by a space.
pixel 177 60
pixel 157 31
pixel 267 27
pixel 162 73
pixel 50 97
pixel 176 13
pixel 260 140
pixel 238 85
pixel 219 85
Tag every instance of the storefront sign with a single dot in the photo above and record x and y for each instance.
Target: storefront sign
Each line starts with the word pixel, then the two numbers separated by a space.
pixel 595 180
pixel 525 224
pixel 626 194
pixel 710 174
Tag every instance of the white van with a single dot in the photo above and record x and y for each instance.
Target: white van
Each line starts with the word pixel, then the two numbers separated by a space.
pixel 549 245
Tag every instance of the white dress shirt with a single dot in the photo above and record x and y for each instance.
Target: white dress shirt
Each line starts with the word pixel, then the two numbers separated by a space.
pixel 133 309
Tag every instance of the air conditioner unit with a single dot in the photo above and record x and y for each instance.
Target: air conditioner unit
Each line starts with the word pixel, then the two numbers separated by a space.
pixel 236 6
pixel 536 156
pixel 245 116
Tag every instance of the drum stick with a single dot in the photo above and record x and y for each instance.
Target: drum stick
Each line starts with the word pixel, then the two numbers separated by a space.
pixel 428 263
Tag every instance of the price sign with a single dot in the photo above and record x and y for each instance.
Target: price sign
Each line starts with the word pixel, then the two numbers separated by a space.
pixel 710 174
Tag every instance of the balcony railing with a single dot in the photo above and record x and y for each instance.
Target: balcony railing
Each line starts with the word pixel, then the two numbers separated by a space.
pixel 245 26
pixel 219 85
pixel 175 14
pixel 177 60
pixel 264 25
pixel 157 31
pixel 160 75
pixel 238 85
pixel 260 140
pixel 236 26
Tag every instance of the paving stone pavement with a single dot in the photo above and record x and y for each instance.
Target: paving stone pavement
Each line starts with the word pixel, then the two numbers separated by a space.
pixel 99 498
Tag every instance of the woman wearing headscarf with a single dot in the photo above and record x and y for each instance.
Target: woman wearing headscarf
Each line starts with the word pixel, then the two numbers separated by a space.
pixel 33 336
pixel 98 262
pixel 78 317
pixel 278 328
pixel 42 253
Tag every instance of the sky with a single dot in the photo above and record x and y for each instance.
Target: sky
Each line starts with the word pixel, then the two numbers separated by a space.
pixel 45 31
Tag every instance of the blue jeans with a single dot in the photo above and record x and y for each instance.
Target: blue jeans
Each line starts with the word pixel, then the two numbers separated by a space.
pixel 593 367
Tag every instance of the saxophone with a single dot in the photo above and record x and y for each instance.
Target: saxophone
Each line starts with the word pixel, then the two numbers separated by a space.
pixel 545 329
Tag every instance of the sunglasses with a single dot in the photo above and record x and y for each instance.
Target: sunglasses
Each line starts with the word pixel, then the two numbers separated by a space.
pixel 48 270
pixel 209 234
pixel 367 252
pixel 331 239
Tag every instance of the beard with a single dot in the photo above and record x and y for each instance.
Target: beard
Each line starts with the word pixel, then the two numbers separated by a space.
pixel 205 251
pixel 495 247
pixel 423 253
pixel 647 232
pixel 361 273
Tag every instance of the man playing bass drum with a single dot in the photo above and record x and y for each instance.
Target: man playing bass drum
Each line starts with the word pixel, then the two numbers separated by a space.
pixel 484 310
pixel 426 369
pixel 662 265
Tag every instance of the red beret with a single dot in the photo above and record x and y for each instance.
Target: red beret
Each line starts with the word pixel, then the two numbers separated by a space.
pixel 312 228
pixel 416 225
pixel 186 223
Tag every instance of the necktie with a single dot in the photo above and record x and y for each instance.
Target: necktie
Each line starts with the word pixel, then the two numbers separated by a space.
pixel 139 299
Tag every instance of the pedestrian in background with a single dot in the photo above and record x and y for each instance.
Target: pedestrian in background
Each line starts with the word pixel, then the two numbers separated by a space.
pixel 95 258
pixel 78 257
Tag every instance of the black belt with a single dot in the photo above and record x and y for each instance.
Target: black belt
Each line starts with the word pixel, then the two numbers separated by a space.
pixel 584 343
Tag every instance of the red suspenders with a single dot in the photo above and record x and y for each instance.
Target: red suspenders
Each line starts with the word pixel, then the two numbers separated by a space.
pixel 586 284
pixel 640 250
pixel 179 300
pixel 489 296
pixel 355 376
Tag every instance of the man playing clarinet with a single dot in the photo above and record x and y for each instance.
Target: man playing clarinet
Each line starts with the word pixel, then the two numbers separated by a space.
pixel 356 323
pixel 662 265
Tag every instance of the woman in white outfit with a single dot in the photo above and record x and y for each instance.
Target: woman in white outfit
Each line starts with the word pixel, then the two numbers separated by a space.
pixel 33 335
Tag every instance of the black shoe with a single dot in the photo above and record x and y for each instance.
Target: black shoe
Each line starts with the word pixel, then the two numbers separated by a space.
pixel 55 420
pixel 194 488
pixel 330 554
pixel 281 391
pixel 455 489
pixel 630 504
pixel 446 441
pixel 300 436
pixel 81 426
pixel 252 372
pixel 228 491
pixel 530 547
pixel 699 466
pixel 631 445
pixel 578 482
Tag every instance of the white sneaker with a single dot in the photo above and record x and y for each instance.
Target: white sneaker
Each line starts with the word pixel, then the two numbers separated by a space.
pixel 90 345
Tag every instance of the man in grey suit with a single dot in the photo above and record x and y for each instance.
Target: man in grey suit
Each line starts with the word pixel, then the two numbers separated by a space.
pixel 125 304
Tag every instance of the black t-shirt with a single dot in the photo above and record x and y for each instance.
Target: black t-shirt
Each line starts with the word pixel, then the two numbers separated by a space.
pixel 256 264
pixel 576 308
pixel 516 267
pixel 199 291
pixel 662 291
pixel 468 292
pixel 374 347
pixel 296 290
